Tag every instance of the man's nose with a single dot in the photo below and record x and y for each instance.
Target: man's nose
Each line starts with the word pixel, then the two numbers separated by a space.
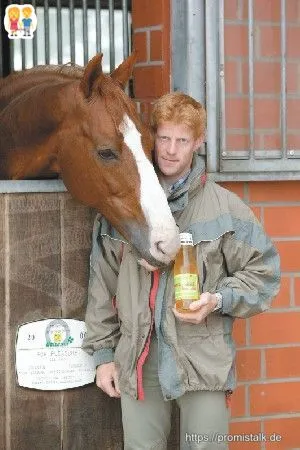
pixel 172 147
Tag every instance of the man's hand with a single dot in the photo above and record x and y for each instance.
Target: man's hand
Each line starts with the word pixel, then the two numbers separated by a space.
pixel 107 379
pixel 199 309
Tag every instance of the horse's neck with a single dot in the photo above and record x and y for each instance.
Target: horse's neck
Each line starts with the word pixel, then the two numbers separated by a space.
pixel 15 85
pixel 29 122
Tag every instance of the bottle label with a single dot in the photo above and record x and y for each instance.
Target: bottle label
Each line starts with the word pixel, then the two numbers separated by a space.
pixel 186 286
pixel 186 239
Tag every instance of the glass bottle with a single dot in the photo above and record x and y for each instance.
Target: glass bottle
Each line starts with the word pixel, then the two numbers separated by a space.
pixel 186 281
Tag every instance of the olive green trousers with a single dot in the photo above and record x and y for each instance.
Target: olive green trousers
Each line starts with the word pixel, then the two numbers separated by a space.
pixel 204 416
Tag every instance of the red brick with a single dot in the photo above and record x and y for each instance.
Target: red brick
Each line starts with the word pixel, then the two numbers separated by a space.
pixel 231 9
pixel 238 403
pixel 236 40
pixel 156 45
pixel 276 223
pixel 288 429
pixel 244 10
pixel 266 113
pixel 239 332
pixel 293 141
pixel 237 188
pixel 297 291
pixel 289 254
pixel 149 82
pixel 244 428
pixel 274 398
pixel 248 364
pixel 283 298
pixel 153 82
pixel 145 112
pixel 274 191
pixel 237 141
pixel 283 362
pixel 293 38
pixel 269 40
pixel 293 11
pixel 267 77
pixel 272 141
pixel 292 77
pixel 275 328
pixel 293 113
pixel 237 113
pixel 245 77
pixel 140 45
pixel 259 140
pixel 232 84
pixel 145 14
pixel 267 10
pixel 166 36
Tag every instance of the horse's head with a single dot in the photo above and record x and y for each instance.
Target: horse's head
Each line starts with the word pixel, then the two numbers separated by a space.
pixel 104 158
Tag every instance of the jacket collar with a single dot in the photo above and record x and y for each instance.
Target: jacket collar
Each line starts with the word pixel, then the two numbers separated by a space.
pixel 179 198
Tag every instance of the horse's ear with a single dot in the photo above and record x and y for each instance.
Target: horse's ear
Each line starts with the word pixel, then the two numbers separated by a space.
pixel 92 71
pixel 122 73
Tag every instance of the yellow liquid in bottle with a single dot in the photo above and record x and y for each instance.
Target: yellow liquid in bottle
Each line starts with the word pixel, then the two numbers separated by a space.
pixel 186 282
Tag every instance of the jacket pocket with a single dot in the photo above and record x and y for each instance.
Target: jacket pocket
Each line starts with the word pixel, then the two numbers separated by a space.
pixel 211 258
pixel 207 360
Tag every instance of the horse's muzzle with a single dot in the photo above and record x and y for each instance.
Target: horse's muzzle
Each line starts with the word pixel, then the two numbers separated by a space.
pixel 157 249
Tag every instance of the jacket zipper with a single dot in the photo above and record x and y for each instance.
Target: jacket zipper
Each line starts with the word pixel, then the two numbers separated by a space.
pixel 143 356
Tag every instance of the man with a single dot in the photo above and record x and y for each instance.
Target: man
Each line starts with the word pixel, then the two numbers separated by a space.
pixel 191 355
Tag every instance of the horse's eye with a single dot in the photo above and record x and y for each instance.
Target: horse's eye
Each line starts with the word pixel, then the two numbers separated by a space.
pixel 106 154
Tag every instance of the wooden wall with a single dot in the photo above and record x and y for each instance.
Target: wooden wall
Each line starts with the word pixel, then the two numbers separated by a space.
pixel 45 242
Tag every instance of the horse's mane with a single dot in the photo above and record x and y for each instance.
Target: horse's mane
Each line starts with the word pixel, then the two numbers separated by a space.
pixel 18 82
pixel 69 70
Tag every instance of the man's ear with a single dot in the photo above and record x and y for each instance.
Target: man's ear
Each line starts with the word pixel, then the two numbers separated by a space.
pixel 198 142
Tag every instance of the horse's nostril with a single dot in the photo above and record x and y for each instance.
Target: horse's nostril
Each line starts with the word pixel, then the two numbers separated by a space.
pixel 159 247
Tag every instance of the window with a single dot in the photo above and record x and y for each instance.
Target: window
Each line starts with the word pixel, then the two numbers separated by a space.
pixel 243 66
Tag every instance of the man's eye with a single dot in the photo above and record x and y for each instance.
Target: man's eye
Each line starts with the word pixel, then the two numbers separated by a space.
pixel 183 140
pixel 106 154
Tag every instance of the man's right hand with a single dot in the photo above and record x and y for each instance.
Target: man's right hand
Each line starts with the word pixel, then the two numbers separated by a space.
pixel 107 379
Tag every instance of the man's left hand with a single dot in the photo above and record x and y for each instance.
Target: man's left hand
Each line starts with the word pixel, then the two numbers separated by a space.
pixel 199 309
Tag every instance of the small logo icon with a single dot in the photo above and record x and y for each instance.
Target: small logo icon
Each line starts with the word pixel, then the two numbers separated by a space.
pixel 58 334
pixel 20 21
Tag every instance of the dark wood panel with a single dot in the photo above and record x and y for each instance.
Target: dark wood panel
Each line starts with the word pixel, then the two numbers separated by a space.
pixel 76 234
pixel 92 421
pixel 34 285
pixel 2 322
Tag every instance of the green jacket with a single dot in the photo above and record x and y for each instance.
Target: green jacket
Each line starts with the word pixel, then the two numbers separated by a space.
pixel 235 258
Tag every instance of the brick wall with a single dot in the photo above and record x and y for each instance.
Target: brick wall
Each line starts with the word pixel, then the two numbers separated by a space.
pixel 268 345
pixel 151 38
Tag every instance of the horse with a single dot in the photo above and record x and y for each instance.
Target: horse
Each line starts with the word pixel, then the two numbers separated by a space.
pixel 79 124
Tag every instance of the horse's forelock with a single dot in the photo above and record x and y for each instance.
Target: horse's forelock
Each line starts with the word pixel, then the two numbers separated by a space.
pixel 116 101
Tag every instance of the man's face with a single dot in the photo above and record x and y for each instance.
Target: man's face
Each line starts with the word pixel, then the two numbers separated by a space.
pixel 174 148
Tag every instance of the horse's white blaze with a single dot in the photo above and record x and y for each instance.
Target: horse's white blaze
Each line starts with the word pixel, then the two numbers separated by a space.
pixel 153 200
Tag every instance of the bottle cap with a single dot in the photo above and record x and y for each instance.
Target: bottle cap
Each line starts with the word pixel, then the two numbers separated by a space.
pixel 186 239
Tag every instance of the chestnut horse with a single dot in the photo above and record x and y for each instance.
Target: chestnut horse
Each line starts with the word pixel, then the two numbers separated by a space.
pixel 77 123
